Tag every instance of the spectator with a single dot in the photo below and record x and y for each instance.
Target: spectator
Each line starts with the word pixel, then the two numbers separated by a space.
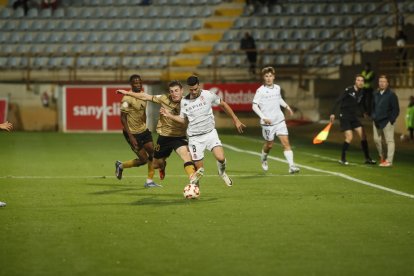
pixel 409 118
pixel 23 3
pixel 248 44
pixel 49 4
pixel 401 41
pixel 368 89
pixel 385 110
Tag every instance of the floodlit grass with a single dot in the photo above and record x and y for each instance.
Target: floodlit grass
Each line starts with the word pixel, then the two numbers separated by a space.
pixel 67 214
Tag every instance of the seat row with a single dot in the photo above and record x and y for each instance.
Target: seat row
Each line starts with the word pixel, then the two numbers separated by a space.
pixel 99 3
pixel 111 12
pixel 269 22
pixel 94 37
pixel 234 61
pixel 88 62
pixel 100 24
pixel 311 8
pixel 91 49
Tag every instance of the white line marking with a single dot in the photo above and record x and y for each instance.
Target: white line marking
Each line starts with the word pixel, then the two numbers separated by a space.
pixel 144 176
pixel 363 182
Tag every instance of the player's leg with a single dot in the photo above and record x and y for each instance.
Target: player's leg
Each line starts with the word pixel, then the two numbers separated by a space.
pixel 146 139
pixel 389 140
pixel 189 166
pixel 268 133
pixel 288 153
pixel 141 160
pixel 364 145
pixel 377 136
pixel 162 151
pixel 196 147
pixel 218 153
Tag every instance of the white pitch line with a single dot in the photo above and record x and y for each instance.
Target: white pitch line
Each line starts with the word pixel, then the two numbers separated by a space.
pixel 144 176
pixel 363 182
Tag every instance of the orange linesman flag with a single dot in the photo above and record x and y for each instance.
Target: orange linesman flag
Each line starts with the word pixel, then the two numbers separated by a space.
pixel 322 135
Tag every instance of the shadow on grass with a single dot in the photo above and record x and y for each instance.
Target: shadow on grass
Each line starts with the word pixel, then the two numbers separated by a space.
pixel 159 201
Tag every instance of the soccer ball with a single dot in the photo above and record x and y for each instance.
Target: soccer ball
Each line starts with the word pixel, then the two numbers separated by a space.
pixel 191 191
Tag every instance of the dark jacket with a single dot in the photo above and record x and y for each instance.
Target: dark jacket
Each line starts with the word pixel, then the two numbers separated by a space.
pixel 351 103
pixel 385 108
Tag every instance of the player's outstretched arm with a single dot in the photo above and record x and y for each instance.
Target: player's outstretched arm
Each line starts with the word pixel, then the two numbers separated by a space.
pixel 176 118
pixel 6 126
pixel 239 125
pixel 141 96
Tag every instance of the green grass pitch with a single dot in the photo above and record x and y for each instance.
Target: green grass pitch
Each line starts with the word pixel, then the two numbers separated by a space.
pixel 67 214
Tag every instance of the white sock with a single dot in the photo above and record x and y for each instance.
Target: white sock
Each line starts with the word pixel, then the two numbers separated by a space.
pixel 289 157
pixel 149 180
pixel 264 156
pixel 221 167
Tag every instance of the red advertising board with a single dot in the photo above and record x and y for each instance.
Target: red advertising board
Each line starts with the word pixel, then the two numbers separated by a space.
pixel 238 95
pixel 91 108
pixel 3 110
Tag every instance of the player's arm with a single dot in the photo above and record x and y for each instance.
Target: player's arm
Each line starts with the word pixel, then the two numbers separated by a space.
pixel 176 118
pixel 259 113
pixel 285 105
pixel 226 108
pixel 141 96
pixel 124 123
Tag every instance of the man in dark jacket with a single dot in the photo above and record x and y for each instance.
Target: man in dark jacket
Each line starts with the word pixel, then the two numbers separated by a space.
pixel 248 44
pixel 385 110
pixel 352 104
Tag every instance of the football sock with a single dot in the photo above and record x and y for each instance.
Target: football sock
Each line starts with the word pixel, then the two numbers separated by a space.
pixel 264 156
pixel 289 156
pixel 150 171
pixel 189 168
pixel 129 164
pixel 345 147
pixel 364 145
pixel 221 166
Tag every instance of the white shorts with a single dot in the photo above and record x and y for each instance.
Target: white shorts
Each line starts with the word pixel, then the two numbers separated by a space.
pixel 198 144
pixel 269 132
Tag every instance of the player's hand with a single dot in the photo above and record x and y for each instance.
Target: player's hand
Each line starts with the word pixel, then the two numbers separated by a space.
pixel 123 92
pixel 267 121
pixel 239 125
pixel 133 141
pixel 290 111
pixel 165 112
pixel 332 118
pixel 6 126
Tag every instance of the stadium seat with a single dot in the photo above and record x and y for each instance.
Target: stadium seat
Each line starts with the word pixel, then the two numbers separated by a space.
pixel 207 61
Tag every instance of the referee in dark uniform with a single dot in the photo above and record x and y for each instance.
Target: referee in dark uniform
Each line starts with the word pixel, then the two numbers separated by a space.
pixel 351 103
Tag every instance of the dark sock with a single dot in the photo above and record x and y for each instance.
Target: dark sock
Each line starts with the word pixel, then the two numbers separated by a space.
pixel 364 145
pixel 345 147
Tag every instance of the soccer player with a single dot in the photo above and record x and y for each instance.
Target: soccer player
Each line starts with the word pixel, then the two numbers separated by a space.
pixel 172 134
pixel 136 133
pixel 7 127
pixel 266 104
pixel 196 111
pixel 351 103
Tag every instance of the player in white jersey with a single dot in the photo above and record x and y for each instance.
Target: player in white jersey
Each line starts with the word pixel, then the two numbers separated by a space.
pixel 196 111
pixel 266 103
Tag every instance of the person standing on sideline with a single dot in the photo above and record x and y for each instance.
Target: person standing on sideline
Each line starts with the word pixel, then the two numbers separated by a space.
pixel 196 110
pixel 368 90
pixel 7 127
pixel 171 134
pixel 351 103
pixel 266 103
pixel 385 111
pixel 409 118
pixel 136 133
pixel 248 44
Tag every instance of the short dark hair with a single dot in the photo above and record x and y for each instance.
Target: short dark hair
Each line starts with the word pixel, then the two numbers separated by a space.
pixel 133 77
pixel 192 80
pixel 268 69
pixel 359 76
pixel 175 83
